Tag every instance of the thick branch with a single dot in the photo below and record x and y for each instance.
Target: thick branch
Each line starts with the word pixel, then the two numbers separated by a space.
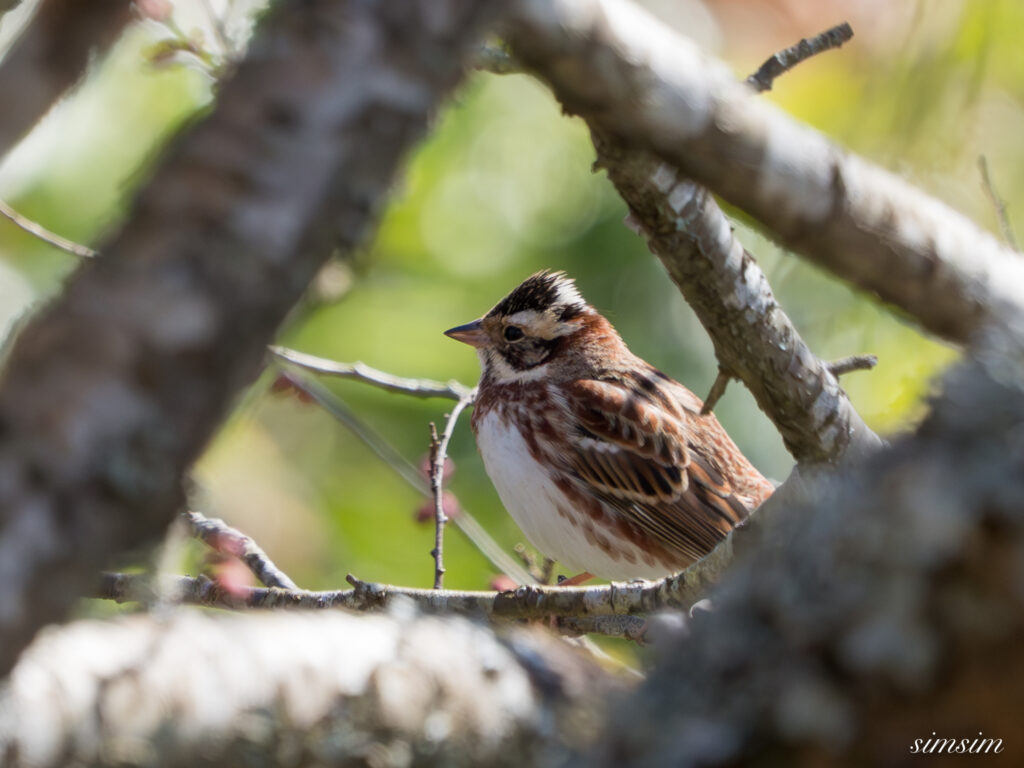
pixel 112 392
pixel 294 690
pixel 610 62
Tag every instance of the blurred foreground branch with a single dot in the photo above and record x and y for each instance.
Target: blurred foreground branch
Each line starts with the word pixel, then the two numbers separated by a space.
pixel 113 390
pixel 51 56
pixel 297 690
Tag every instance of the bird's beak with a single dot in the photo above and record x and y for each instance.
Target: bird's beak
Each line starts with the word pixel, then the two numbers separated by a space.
pixel 470 333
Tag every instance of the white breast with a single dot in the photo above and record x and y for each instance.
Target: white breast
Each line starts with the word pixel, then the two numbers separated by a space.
pixel 530 496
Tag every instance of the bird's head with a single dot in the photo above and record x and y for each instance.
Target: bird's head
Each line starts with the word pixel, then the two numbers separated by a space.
pixel 525 331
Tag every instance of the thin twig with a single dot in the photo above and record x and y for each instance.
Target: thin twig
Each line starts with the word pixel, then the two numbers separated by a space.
pixel 44 234
pixel 717 390
pixel 440 518
pixel 785 60
pixel 465 522
pixel 852 363
pixel 438 457
pixel 221 537
pixel 997 202
pixel 453 390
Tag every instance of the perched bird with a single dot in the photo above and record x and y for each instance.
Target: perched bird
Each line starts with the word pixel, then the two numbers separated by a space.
pixel 605 462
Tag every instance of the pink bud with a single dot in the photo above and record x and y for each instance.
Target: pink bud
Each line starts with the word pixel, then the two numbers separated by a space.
pixel 449 503
pixel 503 583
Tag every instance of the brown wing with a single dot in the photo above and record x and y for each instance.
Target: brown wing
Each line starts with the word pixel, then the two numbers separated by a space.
pixel 645 454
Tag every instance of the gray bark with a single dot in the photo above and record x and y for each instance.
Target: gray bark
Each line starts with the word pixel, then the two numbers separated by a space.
pixel 111 392
pixel 284 690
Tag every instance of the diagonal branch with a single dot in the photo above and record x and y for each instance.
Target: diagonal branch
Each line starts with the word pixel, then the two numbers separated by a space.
pixel 783 61
pixel 221 537
pixel 452 390
pixel 754 339
pixel 612 63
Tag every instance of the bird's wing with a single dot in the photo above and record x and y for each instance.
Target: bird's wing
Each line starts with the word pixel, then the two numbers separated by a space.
pixel 642 452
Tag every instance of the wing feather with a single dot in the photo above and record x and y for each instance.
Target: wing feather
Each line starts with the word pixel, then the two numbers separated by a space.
pixel 639 451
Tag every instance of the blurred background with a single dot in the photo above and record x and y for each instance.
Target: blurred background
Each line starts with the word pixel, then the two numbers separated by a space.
pixel 503 187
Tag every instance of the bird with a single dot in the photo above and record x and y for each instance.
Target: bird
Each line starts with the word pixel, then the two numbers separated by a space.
pixel 606 464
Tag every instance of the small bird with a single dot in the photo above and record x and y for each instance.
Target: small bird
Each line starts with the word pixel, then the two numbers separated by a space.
pixel 605 462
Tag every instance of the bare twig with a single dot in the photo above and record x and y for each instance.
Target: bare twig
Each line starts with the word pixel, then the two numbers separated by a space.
pixel 41 232
pixel 852 363
pixel 465 522
pixel 438 457
pixel 717 390
pixel 997 202
pixel 221 537
pixel 452 390
pixel 437 488
pixel 785 60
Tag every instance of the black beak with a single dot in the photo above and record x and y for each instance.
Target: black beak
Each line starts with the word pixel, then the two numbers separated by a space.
pixel 470 333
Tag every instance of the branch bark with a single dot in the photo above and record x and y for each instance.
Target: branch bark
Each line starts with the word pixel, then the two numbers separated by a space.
pixel 111 392
pixel 610 62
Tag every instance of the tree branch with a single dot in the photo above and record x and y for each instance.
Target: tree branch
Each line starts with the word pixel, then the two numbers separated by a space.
pixel 41 232
pixel 610 62
pixel 113 391
pixel 221 537
pixel 998 204
pixel 438 458
pixel 785 60
pixel 526 602
pixel 291 690
pixel 452 390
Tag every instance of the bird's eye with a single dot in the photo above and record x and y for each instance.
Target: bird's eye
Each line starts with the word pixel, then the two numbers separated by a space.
pixel 512 333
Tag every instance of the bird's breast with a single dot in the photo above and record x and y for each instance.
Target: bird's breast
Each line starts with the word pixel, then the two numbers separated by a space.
pixel 553 522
